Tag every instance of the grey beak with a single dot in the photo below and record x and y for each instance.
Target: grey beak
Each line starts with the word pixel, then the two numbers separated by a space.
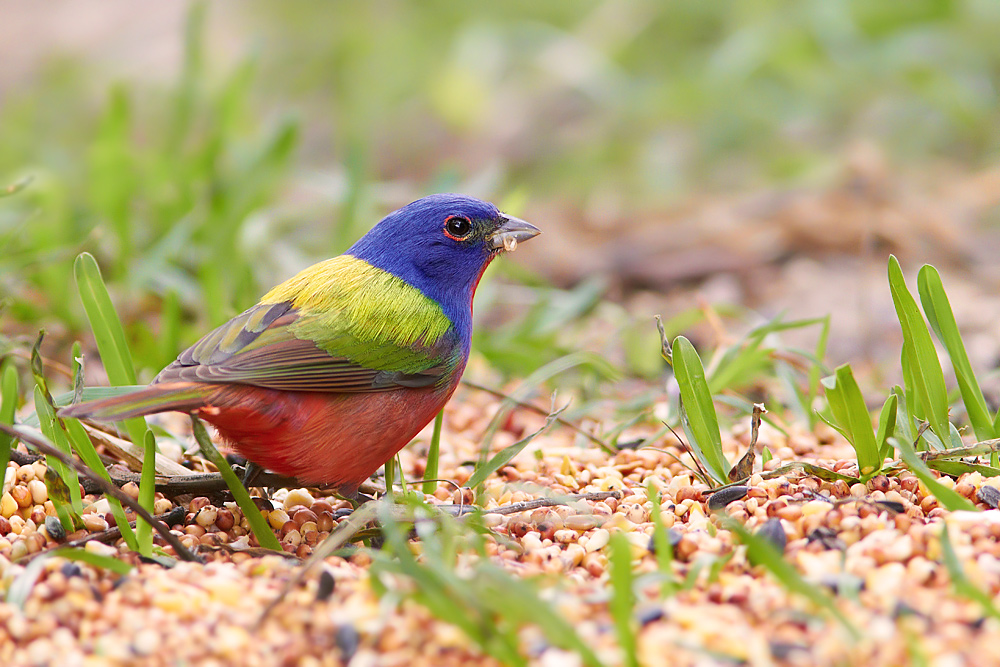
pixel 513 231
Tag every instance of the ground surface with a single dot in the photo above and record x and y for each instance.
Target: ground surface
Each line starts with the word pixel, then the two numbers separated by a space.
pixel 886 565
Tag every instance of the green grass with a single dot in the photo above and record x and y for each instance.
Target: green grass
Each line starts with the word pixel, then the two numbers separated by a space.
pixel 850 417
pixel 488 604
pixel 168 181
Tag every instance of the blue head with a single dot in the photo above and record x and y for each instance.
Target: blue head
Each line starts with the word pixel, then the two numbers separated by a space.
pixel 441 245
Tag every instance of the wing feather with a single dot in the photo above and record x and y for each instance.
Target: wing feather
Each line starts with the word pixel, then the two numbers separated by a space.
pixel 259 347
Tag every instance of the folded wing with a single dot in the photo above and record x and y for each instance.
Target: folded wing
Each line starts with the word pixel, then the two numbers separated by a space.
pixel 260 347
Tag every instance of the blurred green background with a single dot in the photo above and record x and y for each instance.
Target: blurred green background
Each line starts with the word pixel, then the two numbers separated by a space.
pixel 203 152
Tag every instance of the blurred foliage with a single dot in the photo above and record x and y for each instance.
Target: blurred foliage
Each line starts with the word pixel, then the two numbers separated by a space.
pixel 197 193
pixel 642 99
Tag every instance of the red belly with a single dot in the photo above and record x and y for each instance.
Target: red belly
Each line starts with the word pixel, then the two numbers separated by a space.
pixel 335 439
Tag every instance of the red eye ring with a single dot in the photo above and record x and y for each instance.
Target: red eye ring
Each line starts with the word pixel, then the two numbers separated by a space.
pixel 457 227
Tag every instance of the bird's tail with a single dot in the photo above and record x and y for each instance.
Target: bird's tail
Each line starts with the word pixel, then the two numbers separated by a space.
pixel 166 397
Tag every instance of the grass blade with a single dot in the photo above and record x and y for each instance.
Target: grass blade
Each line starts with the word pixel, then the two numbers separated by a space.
pixel 661 544
pixel 622 597
pixel 20 588
pixel 147 493
pixel 108 333
pixel 949 499
pixel 696 403
pixel 849 409
pixel 97 560
pixel 942 320
pixel 8 406
pixel 961 582
pixel 886 426
pixel 959 468
pixel 84 448
pixel 51 430
pixel 433 456
pixel 259 526
pixel 925 369
pixel 816 368
pixel 504 456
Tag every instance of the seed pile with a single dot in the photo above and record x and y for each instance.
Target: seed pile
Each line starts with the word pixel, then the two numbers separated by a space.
pixel 876 550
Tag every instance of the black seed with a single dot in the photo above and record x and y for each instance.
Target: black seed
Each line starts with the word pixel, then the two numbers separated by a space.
pixel 70 570
pixel 774 532
pixel 262 503
pixel 989 495
pixel 163 561
pixel 902 609
pixel 720 499
pixel 827 537
pixel 673 538
pixel 891 505
pixel 631 444
pixel 842 583
pixel 326 586
pixel 647 615
pixel 348 641
pixel 55 529
pixel 784 650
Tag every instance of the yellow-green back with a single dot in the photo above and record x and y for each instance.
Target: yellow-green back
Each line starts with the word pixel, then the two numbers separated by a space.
pixel 353 309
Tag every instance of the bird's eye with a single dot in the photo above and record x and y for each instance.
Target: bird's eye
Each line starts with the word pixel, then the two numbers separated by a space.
pixel 457 227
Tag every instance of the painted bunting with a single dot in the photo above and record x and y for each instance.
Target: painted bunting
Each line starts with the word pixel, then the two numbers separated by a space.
pixel 337 368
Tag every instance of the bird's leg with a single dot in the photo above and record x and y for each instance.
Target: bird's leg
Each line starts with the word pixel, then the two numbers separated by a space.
pixel 353 495
pixel 251 474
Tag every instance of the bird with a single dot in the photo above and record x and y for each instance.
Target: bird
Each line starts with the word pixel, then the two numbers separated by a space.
pixel 336 369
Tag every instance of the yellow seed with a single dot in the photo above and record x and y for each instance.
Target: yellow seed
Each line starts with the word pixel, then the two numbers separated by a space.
pixel 583 522
pixel 7 505
pixel 639 543
pixel 567 481
pixel 621 523
pixel 816 507
pixel 565 536
pixel 40 469
pixel 277 518
pixel 35 542
pixel 94 523
pixel 21 495
pixel 298 497
pixel 574 553
pixel 598 540
pixel 567 467
pixel 100 548
pixel 172 603
pixel 206 516
pixel 226 591
pixel 18 549
pixel 161 505
pixel 39 494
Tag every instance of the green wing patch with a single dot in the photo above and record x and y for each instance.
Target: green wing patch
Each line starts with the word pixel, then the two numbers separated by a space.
pixel 332 331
